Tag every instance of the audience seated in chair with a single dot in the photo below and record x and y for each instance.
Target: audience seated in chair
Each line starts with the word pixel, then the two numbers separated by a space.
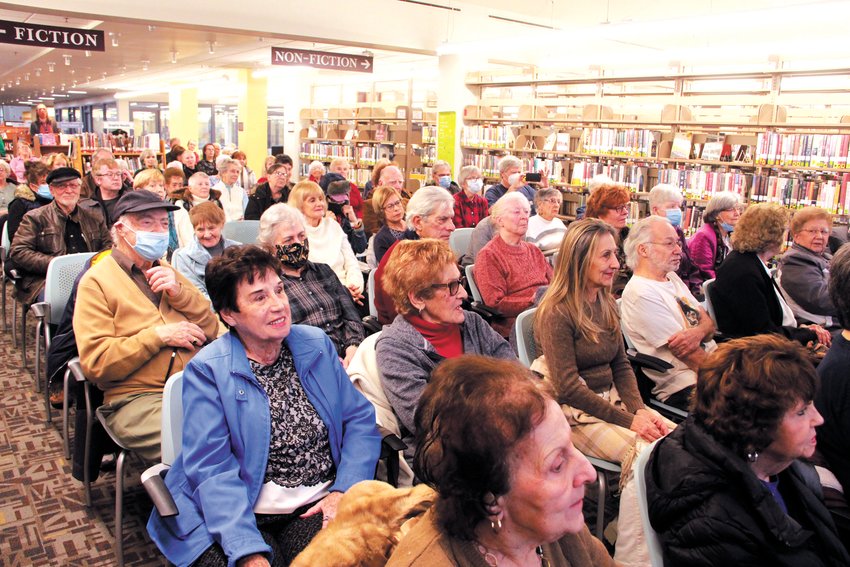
pixel 426 286
pixel 710 244
pixel 60 228
pixel 660 314
pixel 30 194
pixel 316 296
pixel 389 209
pixel 665 201
pixel 545 229
pixel 611 204
pixel 197 192
pixel 137 321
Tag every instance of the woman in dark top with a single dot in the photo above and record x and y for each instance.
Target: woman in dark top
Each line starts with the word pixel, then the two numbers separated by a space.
pixel 389 207
pixel 30 195
pixel 728 486
pixel 207 163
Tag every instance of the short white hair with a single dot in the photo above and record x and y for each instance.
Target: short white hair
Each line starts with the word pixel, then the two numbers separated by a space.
pixel 508 162
pixel 640 233
pixel 275 216
pixel 466 172
pixel 663 193
pixel 501 206
pixel 427 201
pixel 316 164
pixel 193 179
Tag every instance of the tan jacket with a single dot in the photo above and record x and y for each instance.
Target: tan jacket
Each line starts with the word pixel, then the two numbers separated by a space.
pixel 426 546
pixel 115 325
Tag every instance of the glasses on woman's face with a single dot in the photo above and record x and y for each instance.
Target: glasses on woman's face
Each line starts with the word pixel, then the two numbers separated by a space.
pixel 393 205
pixel 816 231
pixel 621 209
pixel 453 286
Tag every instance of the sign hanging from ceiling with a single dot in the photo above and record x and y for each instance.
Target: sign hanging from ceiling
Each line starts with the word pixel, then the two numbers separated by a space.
pixel 36 35
pixel 321 60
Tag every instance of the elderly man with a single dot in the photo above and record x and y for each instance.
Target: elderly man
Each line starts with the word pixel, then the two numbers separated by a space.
pixel 660 315
pixel 666 201
pixel 441 175
pixel 60 228
pixel 391 176
pixel 108 189
pixel 512 179
pixel 233 197
pixel 275 190
pixel 137 321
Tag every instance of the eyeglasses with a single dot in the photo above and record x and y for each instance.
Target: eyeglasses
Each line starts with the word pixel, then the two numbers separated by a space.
pixel 281 173
pixel 69 186
pixel 669 244
pixel 453 286
pixel 620 209
pixel 393 205
pixel 821 231
pixel 112 174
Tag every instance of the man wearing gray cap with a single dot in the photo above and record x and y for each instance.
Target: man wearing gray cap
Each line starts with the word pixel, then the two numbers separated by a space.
pixel 137 321
pixel 56 229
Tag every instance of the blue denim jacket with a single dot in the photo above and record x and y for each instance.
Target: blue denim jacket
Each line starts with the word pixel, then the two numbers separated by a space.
pixel 217 478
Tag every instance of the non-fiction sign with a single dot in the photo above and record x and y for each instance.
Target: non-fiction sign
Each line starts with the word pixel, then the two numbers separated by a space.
pixel 321 60
pixel 37 35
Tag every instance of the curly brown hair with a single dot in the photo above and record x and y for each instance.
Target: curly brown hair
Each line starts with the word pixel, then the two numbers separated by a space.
pixel 606 197
pixel 745 387
pixel 760 227
pixel 461 458
pixel 412 268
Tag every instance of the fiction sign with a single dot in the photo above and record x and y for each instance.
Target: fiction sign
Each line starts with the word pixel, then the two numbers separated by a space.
pixel 37 35
pixel 321 60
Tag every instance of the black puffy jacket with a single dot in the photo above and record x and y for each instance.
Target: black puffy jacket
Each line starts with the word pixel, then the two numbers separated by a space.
pixel 710 509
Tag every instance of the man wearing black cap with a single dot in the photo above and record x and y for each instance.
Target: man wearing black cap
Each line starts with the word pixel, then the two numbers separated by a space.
pixel 137 321
pixel 55 230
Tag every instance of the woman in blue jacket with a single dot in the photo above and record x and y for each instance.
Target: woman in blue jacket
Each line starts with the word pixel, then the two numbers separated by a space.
pixel 274 432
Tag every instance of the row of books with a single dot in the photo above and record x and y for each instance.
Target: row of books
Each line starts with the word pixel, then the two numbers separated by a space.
pixel 636 177
pixel 429 134
pixel 798 191
pixel 618 142
pixel 54 139
pixel 487 136
pixel 702 182
pixel 428 154
pixel 318 151
pixel 803 150
pixel 489 165
pixel 125 143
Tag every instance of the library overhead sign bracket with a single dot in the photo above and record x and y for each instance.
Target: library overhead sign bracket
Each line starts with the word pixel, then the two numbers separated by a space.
pixel 36 35
pixel 321 60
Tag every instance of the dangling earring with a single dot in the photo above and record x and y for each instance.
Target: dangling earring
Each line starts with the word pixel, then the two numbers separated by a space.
pixel 496 525
pixel 753 456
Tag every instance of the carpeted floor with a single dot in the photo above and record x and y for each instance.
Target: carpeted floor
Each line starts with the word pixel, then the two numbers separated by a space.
pixel 43 517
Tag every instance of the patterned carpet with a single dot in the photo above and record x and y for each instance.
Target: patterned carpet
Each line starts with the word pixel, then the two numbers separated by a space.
pixel 43 517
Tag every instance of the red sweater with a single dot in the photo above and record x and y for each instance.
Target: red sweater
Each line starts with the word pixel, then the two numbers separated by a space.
pixel 508 277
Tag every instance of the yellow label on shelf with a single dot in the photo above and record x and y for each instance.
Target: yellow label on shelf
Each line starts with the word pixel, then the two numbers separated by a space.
pixel 447 137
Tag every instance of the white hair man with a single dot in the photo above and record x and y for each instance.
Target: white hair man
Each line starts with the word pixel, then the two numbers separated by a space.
pixel 511 179
pixel 660 315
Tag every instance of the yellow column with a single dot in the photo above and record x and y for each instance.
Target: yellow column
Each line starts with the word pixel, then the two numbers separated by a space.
pixel 253 130
pixel 183 114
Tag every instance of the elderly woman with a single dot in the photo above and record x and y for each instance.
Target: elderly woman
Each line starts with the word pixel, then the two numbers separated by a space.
pixel 247 179
pixel 610 203
pixel 197 192
pixel 711 243
pixel 208 243
pixel 328 242
pixel 508 494
pixel 154 181
pixel 278 433
pixel 32 194
pixel 429 215
pixel 470 207
pixel 746 498
pixel 745 300
pixel 315 171
pixel 275 190
pixel 148 160
pixel 23 155
pixel 233 197
pixel 207 161
pixel 57 160
pixel 665 201
pixel 804 268
pixel 189 159
pixel 316 296
pixel 508 270
pixel 389 208
pixel 427 289
pixel 545 229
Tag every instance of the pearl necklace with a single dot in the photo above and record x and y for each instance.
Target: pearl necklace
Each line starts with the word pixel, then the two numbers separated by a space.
pixel 491 559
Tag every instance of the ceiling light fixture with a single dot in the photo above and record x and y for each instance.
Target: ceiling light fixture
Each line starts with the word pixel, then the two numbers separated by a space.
pixel 63 86
pixel 114 36
pixel 18 81
pixel 174 57
pixel 145 64
pixel 26 76
pixel 67 60
pixel 51 67
pixel 88 53
pixel 76 92
pixel 211 45
pixel 38 72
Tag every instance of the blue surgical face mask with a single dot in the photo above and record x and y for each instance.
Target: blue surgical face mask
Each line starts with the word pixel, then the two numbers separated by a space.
pixel 150 245
pixel 43 191
pixel 445 181
pixel 475 185
pixel 674 216
pixel 727 227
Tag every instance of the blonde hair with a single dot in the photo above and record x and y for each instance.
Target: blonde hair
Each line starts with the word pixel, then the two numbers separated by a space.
pixel 147 177
pixel 760 227
pixel 566 293
pixel 301 191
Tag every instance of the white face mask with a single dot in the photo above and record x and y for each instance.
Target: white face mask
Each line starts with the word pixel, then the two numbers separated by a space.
pixel 475 185
pixel 513 178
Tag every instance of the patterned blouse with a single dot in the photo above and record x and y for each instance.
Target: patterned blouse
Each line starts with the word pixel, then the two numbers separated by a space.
pixel 300 453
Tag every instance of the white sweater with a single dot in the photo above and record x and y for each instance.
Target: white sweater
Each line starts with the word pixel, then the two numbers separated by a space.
pixel 329 245
pixel 233 200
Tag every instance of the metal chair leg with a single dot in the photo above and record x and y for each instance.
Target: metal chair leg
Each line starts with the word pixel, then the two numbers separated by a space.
pixel 66 389
pixel 3 302
pixel 24 343
pixel 119 508
pixel 87 450
pixel 14 323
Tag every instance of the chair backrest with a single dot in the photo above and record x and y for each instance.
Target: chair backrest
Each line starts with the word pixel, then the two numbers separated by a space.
pixel 172 418
pixel 470 277
pixel 244 231
pixel 61 274
pixel 5 242
pixel 656 554
pixel 707 286
pixel 629 343
pixel 459 241
pixel 370 291
pixel 526 348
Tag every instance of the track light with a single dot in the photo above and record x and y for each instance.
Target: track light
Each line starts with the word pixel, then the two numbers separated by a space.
pixel 211 45
pixel 88 53
pixel 67 60
pixel 174 57
pixel 145 64
pixel 38 72
pixel 51 67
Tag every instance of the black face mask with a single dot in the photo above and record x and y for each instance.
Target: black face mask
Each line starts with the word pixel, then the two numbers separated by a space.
pixel 293 255
pixel 336 208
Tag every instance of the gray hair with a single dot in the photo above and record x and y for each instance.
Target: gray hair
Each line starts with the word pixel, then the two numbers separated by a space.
pixel 316 164
pixel 723 201
pixel 599 180
pixel 465 173
pixel 543 194
pixel 640 233
pixel 226 163
pixel 662 193
pixel 441 163
pixel 6 167
pixel 279 214
pixel 426 201
pixel 145 155
pixel 508 162
pixel 195 176
pixel 500 207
